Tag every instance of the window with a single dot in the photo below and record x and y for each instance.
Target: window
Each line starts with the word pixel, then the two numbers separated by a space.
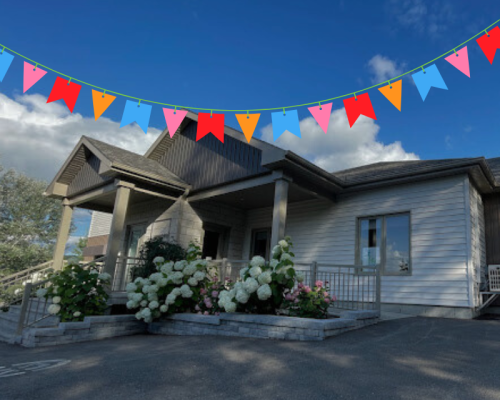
pixel 261 239
pixel 385 241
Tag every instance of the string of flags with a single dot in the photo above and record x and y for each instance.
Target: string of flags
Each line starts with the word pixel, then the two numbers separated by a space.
pixel 286 120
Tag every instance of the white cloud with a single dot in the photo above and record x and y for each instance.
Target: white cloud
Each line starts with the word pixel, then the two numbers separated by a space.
pixel 383 68
pixel 342 147
pixel 36 137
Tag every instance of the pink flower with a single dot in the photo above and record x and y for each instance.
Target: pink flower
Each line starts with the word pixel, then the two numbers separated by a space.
pixel 215 279
pixel 206 313
pixel 300 285
pixel 288 297
pixel 326 300
pixel 209 305
pixel 296 301
pixel 334 298
pixel 215 293
pixel 199 313
pixel 319 284
pixel 307 289
pixel 203 291
pixel 197 308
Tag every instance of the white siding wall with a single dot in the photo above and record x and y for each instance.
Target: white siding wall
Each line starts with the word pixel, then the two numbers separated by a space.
pixel 100 223
pixel 478 246
pixel 326 232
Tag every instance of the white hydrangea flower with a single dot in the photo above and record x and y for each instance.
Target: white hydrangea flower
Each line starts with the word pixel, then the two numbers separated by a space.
pixel 274 263
pixel 104 276
pixel 199 275
pixel 285 256
pixel 94 272
pixel 238 286
pixel 242 296
pixel 176 291
pixel 153 289
pixel 138 315
pixel 230 306
pixel 190 269
pixel 130 295
pixel 164 308
pixel 257 261
pixel 180 265
pixel 145 289
pixel 131 287
pixel 177 277
pixel 131 304
pixel 300 277
pixel 152 296
pixel 158 260
pixel 251 285
pixel 186 291
pixel 76 314
pixel 56 299
pixel 170 299
pixel 54 309
pixel 167 268
pixel 283 243
pixel 192 281
pixel 137 297
pixel 255 272
pixel 264 292
pixel 276 251
pixel 41 293
pixel 146 313
pixel 154 305
pixel 265 277
pixel 162 282
pixel 144 303
pixel 243 271
pixel 156 276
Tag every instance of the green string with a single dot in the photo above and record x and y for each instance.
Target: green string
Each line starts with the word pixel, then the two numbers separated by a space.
pixel 256 109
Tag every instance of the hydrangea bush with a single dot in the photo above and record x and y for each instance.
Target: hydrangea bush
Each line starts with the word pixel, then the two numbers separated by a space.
pixel 175 287
pixel 307 302
pixel 76 292
pixel 262 286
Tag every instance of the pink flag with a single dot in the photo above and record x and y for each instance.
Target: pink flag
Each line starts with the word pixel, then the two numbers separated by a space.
pixel 322 115
pixel 460 61
pixel 32 75
pixel 173 119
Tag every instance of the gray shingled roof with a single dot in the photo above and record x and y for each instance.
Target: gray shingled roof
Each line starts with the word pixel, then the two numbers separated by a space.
pixel 397 169
pixel 135 162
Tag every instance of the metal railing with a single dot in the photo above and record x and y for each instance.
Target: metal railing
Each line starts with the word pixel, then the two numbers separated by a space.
pixel 123 272
pixel 34 309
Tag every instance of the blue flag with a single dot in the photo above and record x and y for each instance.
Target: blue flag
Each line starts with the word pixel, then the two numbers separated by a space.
pixel 135 112
pixel 5 61
pixel 430 78
pixel 288 122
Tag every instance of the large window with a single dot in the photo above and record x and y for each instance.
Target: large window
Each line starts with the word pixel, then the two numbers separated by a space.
pixel 261 239
pixel 385 241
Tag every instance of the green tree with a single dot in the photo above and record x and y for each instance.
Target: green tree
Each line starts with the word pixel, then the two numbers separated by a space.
pixel 77 254
pixel 29 222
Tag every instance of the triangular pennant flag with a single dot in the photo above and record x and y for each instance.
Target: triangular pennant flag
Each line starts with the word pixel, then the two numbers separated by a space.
pixel 285 122
pixel 65 90
pixel 460 61
pixel 356 106
pixel 101 102
pixel 248 123
pixel 32 75
pixel 431 77
pixel 173 119
pixel 322 114
pixel 393 93
pixel 5 61
pixel 210 123
pixel 489 43
pixel 135 112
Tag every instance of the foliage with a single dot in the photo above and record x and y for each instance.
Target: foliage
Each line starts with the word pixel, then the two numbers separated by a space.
pixel 175 287
pixel 29 222
pixel 305 302
pixel 153 248
pixel 77 254
pixel 262 288
pixel 76 292
pixel 209 298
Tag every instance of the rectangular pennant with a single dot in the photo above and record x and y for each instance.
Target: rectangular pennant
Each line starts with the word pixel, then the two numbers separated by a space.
pixel 208 122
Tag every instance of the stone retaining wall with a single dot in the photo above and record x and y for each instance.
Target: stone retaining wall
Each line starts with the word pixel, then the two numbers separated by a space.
pixel 91 328
pixel 263 326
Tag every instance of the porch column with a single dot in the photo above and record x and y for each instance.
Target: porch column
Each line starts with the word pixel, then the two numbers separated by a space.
pixel 117 228
pixel 63 235
pixel 279 211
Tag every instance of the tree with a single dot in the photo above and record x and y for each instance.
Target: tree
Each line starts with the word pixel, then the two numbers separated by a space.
pixel 29 222
pixel 77 254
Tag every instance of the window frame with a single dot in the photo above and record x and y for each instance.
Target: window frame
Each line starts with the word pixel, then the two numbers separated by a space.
pixel 383 237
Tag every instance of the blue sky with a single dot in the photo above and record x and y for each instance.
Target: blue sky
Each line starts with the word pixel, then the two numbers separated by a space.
pixel 252 54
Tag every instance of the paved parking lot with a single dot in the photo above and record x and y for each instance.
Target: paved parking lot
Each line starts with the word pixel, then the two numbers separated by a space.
pixel 414 358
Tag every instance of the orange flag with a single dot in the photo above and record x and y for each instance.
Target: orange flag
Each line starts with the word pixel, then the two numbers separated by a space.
pixel 101 102
pixel 393 94
pixel 248 122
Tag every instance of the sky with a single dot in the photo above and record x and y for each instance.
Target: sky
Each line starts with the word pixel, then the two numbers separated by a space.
pixel 250 54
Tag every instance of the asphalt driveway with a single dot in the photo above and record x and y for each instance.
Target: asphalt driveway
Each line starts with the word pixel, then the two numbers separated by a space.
pixel 414 358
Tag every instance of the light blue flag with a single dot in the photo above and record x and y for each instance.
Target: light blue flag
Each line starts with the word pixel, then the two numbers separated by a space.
pixel 5 61
pixel 288 122
pixel 430 78
pixel 136 113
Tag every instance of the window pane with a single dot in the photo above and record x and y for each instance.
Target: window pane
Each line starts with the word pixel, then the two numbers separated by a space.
pixel 397 244
pixel 260 243
pixel 370 241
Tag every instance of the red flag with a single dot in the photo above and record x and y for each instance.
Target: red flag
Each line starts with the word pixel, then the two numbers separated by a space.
pixel 490 44
pixel 65 90
pixel 354 107
pixel 210 123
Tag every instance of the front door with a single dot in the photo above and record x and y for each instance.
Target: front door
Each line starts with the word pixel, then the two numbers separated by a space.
pixel 135 239
pixel 215 241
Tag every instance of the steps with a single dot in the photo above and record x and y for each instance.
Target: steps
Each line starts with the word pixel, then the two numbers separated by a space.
pixel 10 319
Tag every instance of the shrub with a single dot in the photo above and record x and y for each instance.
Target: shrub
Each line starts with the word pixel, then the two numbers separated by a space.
pixel 307 302
pixel 153 248
pixel 175 287
pixel 76 292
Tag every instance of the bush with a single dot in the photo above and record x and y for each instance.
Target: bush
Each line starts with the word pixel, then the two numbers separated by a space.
pixel 153 248
pixel 305 302
pixel 76 292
